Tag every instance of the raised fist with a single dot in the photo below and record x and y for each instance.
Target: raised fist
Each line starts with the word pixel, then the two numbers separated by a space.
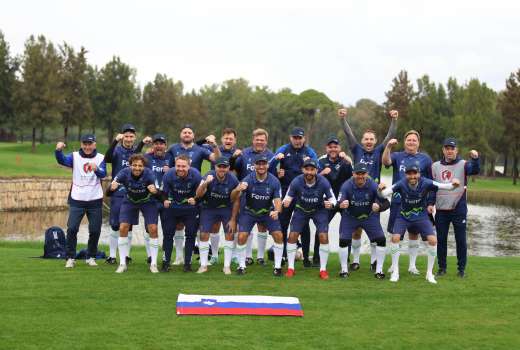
pixel 342 112
pixel 60 146
pixel 237 153
pixel 344 204
pixel 473 154
pixel 242 186
pixel 119 137
pixel 280 156
pixel 147 140
pixel 326 171
pixel 209 178
pixel 392 143
pixel 375 207
pixel 394 114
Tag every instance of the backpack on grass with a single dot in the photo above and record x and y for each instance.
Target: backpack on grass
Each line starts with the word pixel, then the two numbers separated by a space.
pixel 55 243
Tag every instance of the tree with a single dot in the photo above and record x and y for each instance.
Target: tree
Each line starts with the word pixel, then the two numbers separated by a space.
pixel 399 97
pixel 509 105
pixel 8 68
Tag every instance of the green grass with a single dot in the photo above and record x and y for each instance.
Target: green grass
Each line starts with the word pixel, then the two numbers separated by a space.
pixel 44 306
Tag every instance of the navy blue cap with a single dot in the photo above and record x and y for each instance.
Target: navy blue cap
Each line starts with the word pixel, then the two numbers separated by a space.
pixel 187 126
pixel 128 127
pixel 159 137
pixel 450 141
pixel 333 139
pixel 88 138
pixel 310 162
pixel 297 131
pixel 411 166
pixel 261 158
pixel 360 168
pixel 222 161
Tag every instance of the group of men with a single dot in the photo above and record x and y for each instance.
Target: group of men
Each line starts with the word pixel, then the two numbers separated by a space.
pixel 278 192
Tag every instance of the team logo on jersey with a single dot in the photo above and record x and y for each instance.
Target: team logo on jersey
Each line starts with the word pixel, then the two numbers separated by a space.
pixel 446 175
pixel 87 167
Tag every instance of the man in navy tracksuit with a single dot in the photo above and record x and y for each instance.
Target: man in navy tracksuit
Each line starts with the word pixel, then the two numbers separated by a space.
pixel 290 157
pixel 451 206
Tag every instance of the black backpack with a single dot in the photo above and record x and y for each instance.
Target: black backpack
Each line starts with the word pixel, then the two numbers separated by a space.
pixel 55 243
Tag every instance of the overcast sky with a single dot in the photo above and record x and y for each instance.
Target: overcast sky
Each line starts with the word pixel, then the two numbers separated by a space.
pixel 347 49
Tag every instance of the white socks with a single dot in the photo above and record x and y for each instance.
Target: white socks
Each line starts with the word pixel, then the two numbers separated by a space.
pixel 394 251
pixel 146 237
pixel 203 253
pixel 291 254
pixel 153 249
pixel 432 253
pixel 179 244
pixel 373 252
pixel 113 243
pixel 122 244
pixel 278 253
pixel 343 258
pixel 413 250
pixel 249 248
pixel 235 242
pixel 261 240
pixel 129 243
pixel 356 250
pixel 324 256
pixel 214 240
pixel 241 253
pixel 228 253
pixel 380 253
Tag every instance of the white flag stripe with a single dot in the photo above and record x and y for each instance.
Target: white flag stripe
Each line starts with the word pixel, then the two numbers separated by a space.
pixel 239 298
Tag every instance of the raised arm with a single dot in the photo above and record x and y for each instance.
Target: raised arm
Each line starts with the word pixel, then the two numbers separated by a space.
pixel 473 166
pixel 392 129
pixel 109 154
pixel 351 139
pixel 61 158
pixel 387 159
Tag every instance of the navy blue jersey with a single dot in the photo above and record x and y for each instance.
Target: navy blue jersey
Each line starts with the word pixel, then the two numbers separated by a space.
pixel 310 198
pixel 156 164
pixel 227 153
pixel 360 198
pixel 120 157
pixel 136 188
pixel 400 159
pixel 196 153
pixel 292 162
pixel 258 198
pixel 340 172
pixel 372 159
pixel 245 163
pixel 180 189
pixel 218 193
pixel 414 200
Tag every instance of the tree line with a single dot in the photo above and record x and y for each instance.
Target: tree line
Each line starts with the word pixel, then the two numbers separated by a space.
pixel 53 87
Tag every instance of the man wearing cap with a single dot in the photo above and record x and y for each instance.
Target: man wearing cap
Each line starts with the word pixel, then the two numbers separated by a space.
pixel 337 168
pixel 86 195
pixel 414 190
pixel 260 203
pixel 398 160
pixel 312 196
pixel 217 208
pixel 369 153
pixel 290 157
pixel 118 155
pixel 361 204
pixel 451 206
pixel 157 160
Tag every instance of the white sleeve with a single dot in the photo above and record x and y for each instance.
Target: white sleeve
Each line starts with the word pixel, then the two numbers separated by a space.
pixel 387 191
pixel 332 197
pixel 444 186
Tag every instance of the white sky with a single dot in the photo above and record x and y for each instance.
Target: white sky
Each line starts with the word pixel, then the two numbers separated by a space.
pixel 347 49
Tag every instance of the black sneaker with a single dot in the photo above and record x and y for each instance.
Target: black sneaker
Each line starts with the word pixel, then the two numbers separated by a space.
pixel 379 276
pixel 128 260
pixel 249 261
pixel 241 271
pixel 277 272
pixel 316 263
pixel 111 261
pixel 165 266
pixel 260 261
pixel 373 266
pixel 440 272
pixel 461 274
pixel 307 263
pixel 149 260
pixel 354 266
pixel 343 274
pixel 187 268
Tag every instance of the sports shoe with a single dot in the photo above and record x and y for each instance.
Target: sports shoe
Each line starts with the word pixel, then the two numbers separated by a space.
pixel 440 272
pixel 202 269
pixel 431 278
pixel 153 268
pixel 379 276
pixel 213 261
pixel 249 261
pixel 395 276
pixel 149 260
pixel 307 263
pixel 344 274
pixel 187 268
pixel 354 266
pixel 128 260
pixel 165 266
pixel 121 269
pixel 91 262
pixel 277 272
pixel 110 260
pixel 70 263
pixel 373 266
pixel 226 270
pixel 179 261
pixel 241 271
pixel 413 271
pixel 324 275
pixel 290 273
pixel 461 274
pixel 260 261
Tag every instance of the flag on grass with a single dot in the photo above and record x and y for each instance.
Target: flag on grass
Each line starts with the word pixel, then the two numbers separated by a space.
pixel 189 304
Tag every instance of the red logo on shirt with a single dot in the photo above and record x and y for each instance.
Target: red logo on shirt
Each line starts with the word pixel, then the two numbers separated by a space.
pixel 446 175
pixel 87 167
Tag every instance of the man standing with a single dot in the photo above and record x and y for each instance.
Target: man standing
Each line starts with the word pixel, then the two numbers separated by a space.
pixel 85 197
pixel 451 206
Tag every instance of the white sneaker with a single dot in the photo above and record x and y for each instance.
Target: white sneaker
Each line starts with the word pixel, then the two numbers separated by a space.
pixel 179 261
pixel 413 270
pixel 153 268
pixel 226 270
pixel 395 276
pixel 91 262
pixel 391 269
pixel 70 263
pixel 202 269
pixel 431 278
pixel 121 269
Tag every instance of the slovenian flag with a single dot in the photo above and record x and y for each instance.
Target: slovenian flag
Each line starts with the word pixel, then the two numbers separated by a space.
pixel 189 304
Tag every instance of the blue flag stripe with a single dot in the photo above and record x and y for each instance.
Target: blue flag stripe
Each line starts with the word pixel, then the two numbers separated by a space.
pixel 242 305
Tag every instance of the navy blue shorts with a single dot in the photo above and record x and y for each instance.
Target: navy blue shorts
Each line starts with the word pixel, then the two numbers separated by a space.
pixel 129 213
pixel 422 226
pixel 395 208
pixel 319 217
pixel 210 216
pixel 189 217
pixel 371 225
pixel 115 208
pixel 246 222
